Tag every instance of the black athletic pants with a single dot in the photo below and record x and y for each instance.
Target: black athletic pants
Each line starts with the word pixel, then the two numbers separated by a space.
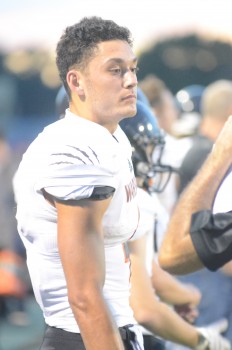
pixel 153 343
pixel 58 339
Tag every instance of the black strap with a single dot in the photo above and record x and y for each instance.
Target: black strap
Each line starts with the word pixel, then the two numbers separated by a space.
pixel 102 192
pixel 126 333
pixel 211 235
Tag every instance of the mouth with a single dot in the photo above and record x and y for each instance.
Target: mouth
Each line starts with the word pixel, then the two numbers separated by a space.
pixel 131 97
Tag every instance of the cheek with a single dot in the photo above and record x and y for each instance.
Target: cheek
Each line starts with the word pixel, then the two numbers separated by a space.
pixel 103 93
pixel 102 100
pixel 102 88
pixel 106 93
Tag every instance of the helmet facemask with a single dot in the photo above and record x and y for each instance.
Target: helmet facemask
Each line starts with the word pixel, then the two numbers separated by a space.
pixel 149 170
pixel 147 141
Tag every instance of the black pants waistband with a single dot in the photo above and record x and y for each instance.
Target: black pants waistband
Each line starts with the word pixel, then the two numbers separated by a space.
pixel 125 332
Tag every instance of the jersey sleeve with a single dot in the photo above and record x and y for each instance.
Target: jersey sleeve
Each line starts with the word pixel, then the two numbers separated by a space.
pixel 211 235
pixel 76 173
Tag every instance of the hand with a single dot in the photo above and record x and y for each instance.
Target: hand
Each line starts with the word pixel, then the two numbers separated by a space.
pixel 215 341
pixel 187 311
pixel 195 295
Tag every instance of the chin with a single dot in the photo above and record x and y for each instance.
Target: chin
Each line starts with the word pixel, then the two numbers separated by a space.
pixel 128 112
pixel 132 111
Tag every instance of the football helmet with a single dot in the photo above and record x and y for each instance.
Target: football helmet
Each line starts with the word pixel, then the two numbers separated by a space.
pixel 189 104
pixel 141 96
pixel 61 102
pixel 189 98
pixel 147 141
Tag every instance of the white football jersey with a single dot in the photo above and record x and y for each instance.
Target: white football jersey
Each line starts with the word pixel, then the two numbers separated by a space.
pixel 117 283
pixel 152 223
pixel 69 159
pixel 222 201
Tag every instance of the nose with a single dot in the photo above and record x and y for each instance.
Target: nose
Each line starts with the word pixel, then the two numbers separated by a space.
pixel 130 79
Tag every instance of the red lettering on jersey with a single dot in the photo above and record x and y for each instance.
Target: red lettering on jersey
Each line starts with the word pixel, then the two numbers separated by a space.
pixel 131 190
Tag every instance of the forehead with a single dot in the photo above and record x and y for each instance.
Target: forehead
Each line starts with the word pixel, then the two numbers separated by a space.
pixel 115 50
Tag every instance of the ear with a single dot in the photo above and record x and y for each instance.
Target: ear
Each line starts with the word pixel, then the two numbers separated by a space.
pixel 74 82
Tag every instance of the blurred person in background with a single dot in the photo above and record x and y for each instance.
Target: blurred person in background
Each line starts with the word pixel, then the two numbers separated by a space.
pixel 206 285
pixel 13 273
pixel 159 321
pixel 216 107
pixel 188 100
pixel 151 287
pixel 161 100
pixel 202 216
pixel 165 108
pixel 61 102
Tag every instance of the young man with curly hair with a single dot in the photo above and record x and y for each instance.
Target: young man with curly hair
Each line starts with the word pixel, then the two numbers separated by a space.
pixel 76 194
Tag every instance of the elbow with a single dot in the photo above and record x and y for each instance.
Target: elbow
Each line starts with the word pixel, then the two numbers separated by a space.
pixel 81 303
pixel 152 319
pixel 166 255
pixel 144 316
pixel 171 256
pixel 180 263
pixel 179 256
pixel 172 263
pixel 165 261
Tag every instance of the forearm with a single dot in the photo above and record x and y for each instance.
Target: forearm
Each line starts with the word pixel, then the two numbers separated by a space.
pixel 177 253
pixel 98 329
pixel 154 315
pixel 171 290
pixel 177 293
pixel 162 321
pixel 81 247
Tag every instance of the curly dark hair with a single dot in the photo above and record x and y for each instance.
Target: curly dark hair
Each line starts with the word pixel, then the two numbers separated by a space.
pixel 78 43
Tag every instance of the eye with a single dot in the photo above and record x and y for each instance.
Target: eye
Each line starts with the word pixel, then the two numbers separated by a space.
pixel 135 70
pixel 116 71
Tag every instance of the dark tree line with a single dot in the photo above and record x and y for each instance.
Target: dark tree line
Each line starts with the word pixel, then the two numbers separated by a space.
pixel 183 61
pixel 178 61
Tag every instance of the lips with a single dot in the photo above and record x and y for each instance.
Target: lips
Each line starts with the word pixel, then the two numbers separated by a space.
pixel 130 97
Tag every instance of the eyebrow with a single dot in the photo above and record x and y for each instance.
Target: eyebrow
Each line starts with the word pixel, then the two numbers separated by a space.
pixel 120 60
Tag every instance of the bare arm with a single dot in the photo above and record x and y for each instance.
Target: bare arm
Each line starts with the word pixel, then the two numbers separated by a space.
pixel 171 290
pixel 183 297
pixel 178 254
pixel 81 249
pixel 154 315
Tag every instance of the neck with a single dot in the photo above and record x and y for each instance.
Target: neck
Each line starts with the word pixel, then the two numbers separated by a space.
pixel 111 127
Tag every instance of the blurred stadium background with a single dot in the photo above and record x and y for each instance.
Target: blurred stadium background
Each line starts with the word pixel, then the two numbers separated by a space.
pixel 182 42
